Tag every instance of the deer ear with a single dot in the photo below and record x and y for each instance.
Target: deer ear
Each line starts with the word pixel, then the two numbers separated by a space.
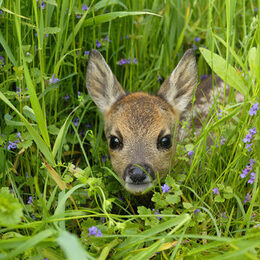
pixel 177 89
pixel 101 84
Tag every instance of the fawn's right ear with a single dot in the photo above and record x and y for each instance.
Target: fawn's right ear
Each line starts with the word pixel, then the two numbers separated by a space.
pixel 102 85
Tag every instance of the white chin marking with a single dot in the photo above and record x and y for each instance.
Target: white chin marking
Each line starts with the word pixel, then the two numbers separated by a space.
pixel 137 188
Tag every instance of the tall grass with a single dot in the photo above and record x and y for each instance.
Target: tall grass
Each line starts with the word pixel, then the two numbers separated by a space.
pixel 53 155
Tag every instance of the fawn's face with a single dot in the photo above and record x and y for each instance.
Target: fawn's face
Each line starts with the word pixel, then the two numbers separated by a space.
pixel 140 128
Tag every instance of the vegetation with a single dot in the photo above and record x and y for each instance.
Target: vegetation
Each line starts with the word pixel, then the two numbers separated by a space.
pixel 59 197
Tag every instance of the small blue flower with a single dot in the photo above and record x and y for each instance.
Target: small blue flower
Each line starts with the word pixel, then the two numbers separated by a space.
pixel 67 96
pixel 76 121
pixel 30 201
pixel 204 76
pixel 165 188
pixel 215 191
pixel 197 39
pixel 42 5
pixel 196 211
pixel 252 178
pixel 253 110
pixel 247 139
pixel 246 198
pixel 94 231
pixel 2 61
pixel 104 158
pixel 157 213
pixel 84 7
pixel 53 80
pixel 98 44
pixel 86 53
pixel 190 153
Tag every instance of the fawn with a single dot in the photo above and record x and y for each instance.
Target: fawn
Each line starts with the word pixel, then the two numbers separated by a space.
pixel 141 128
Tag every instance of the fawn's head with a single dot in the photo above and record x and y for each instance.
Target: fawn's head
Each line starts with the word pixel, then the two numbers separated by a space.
pixel 139 127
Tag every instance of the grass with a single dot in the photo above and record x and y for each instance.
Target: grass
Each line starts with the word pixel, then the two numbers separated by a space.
pixel 56 179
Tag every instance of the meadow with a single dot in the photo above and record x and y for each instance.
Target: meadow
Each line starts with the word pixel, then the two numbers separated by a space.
pixel 59 196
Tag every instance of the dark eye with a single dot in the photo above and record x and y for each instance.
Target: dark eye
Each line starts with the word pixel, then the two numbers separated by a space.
pixel 165 142
pixel 115 143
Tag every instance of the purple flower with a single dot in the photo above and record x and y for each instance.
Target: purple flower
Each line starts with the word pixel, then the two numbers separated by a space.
pixel 94 231
pixel 88 125
pixel 76 121
pixel 18 134
pixel 196 211
pixel 246 198
pixel 122 62
pixel 256 9
pixel 86 53
pixel 252 178
pixel 223 140
pixel 12 145
pixel 78 16
pixel 84 7
pixel 42 5
pixel 190 153
pixel 67 96
pixel 248 146
pixel 215 191
pixel 157 213
pixel 98 44
pixel 224 214
pixel 254 109
pixel 197 39
pixel 104 158
pixel 247 139
pixel 53 80
pixel 204 76
pixel 251 162
pixel 194 47
pixel 2 61
pixel 165 188
pixel 252 131
pixel 127 61
pixel 245 172
pixel 30 201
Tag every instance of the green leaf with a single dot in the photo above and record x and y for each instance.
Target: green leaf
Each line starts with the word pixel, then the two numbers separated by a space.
pixel 11 210
pixel 187 205
pixel 173 199
pixel 29 113
pixel 104 18
pixel 10 122
pixel 225 71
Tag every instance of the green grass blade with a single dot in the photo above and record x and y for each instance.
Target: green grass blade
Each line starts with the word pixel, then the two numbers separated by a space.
pixel 36 137
pixel 104 18
pixel 231 76
pixel 30 243
pixel 7 50
pixel 72 247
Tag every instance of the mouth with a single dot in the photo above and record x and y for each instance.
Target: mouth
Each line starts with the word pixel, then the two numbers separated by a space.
pixel 138 188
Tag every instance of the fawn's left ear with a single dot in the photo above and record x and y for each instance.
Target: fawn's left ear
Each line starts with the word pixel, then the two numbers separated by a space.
pixel 177 89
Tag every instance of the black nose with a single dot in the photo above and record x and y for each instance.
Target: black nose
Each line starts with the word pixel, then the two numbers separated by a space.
pixel 137 174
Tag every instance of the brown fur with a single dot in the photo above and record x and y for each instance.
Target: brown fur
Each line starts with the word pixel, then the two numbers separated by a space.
pixel 140 120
